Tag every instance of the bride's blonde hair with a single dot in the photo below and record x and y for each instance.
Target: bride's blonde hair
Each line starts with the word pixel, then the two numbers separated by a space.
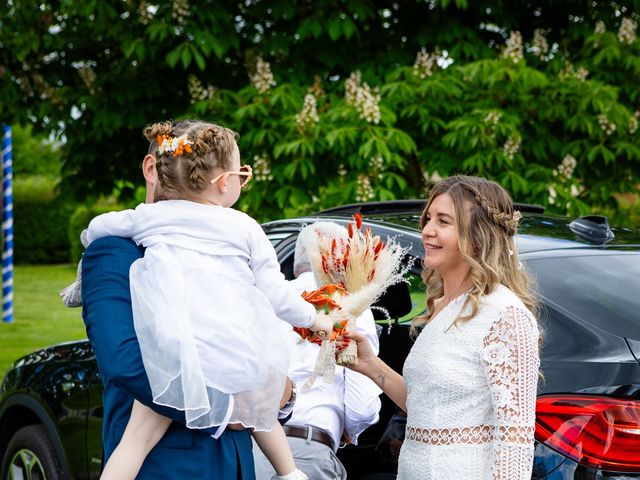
pixel 486 223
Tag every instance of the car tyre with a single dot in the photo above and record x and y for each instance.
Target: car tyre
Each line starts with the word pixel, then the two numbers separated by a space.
pixel 30 455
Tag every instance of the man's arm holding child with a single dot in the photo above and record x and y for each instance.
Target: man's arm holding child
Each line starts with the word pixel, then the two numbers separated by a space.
pixel 108 317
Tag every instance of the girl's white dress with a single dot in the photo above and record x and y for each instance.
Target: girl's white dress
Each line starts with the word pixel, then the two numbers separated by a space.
pixel 472 394
pixel 207 297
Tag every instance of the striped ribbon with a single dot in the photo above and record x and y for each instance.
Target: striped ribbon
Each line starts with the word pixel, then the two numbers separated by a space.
pixel 7 226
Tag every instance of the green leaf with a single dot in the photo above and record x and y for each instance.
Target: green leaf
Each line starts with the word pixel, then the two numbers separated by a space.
pixel 278 150
pixel 218 48
pixel 600 151
pixel 342 137
pixel 366 149
pixel 186 56
pixel 129 48
pixel 629 150
pixel 399 139
pixel 200 61
pixel 395 178
pixel 140 51
pixel 335 28
pixel 348 27
pixel 290 170
pixel 173 56
pixel 288 148
pixel 310 27
pixel 158 31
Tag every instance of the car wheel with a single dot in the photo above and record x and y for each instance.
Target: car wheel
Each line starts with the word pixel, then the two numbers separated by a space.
pixel 30 455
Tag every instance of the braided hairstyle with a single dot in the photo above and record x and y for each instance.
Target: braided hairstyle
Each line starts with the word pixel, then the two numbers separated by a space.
pixel 182 176
pixel 486 223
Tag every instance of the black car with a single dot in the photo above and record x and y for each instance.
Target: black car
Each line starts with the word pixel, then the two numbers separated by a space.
pixel 588 410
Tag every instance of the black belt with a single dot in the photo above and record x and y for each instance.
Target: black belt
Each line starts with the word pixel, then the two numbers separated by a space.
pixel 309 433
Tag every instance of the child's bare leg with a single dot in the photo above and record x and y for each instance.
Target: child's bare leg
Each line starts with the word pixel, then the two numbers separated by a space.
pixel 144 430
pixel 275 447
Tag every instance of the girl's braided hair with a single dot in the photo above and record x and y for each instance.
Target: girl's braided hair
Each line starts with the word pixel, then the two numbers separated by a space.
pixel 486 221
pixel 180 176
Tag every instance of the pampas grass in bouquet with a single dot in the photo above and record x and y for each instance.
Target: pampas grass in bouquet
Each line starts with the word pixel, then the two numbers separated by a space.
pixel 360 267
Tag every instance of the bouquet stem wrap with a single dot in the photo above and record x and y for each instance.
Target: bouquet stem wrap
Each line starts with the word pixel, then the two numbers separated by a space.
pixel 348 356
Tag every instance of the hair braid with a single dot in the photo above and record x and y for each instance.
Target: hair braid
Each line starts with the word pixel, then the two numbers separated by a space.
pixel 199 168
pixel 206 141
pixel 166 180
pixel 212 147
pixel 502 219
pixel 151 132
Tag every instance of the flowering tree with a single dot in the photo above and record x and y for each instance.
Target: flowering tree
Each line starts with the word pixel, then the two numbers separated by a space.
pixel 544 127
pixel 341 101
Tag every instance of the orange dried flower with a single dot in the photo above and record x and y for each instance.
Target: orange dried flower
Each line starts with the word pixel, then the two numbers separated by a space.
pixel 358 218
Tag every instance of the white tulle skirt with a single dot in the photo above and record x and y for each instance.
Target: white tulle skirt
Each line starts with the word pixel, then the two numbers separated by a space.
pixel 208 338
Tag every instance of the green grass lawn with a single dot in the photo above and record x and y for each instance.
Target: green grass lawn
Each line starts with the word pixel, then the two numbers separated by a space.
pixel 40 318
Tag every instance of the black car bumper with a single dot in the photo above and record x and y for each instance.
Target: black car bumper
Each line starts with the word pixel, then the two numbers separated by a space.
pixel 550 465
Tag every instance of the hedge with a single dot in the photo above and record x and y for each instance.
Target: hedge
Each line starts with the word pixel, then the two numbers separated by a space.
pixel 47 226
pixel 40 220
pixel 79 221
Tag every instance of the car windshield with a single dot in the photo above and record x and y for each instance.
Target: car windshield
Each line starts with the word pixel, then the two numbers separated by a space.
pixel 602 289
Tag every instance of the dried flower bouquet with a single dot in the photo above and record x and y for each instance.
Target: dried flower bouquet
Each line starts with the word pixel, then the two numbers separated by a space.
pixel 354 272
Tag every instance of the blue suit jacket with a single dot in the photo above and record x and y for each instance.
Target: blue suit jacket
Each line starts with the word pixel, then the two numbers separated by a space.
pixel 182 453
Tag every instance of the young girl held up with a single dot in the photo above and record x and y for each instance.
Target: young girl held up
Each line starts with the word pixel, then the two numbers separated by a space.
pixel 206 297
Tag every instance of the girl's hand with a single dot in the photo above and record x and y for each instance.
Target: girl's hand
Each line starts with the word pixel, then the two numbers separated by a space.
pixel 366 355
pixel 323 323
pixel 288 392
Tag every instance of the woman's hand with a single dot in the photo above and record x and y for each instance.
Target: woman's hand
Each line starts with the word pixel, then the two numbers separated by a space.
pixel 366 355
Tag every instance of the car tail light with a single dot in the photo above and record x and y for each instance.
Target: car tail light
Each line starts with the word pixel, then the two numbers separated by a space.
pixel 596 431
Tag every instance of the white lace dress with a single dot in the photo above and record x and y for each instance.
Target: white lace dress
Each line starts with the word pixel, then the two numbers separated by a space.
pixel 207 301
pixel 471 394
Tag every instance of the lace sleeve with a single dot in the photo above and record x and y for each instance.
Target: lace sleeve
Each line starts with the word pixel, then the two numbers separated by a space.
pixel 511 363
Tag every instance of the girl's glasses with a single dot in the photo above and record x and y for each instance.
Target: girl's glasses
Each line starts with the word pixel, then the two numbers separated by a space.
pixel 245 171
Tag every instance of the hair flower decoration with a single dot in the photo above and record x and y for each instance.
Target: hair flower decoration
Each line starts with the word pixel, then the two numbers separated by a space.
pixel 517 216
pixel 174 145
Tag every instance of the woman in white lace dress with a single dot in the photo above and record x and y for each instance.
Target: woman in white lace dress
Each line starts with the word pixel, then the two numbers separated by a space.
pixel 469 382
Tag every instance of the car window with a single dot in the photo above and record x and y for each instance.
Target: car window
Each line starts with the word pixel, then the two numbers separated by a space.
pixel 285 251
pixel 418 294
pixel 276 237
pixel 600 289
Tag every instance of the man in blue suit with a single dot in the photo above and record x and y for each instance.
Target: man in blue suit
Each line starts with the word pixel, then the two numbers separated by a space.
pixel 182 453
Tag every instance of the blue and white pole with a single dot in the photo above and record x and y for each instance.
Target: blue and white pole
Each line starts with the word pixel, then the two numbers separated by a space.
pixel 7 226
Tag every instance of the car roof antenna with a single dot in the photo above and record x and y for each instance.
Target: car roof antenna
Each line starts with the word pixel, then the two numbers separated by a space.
pixel 592 228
